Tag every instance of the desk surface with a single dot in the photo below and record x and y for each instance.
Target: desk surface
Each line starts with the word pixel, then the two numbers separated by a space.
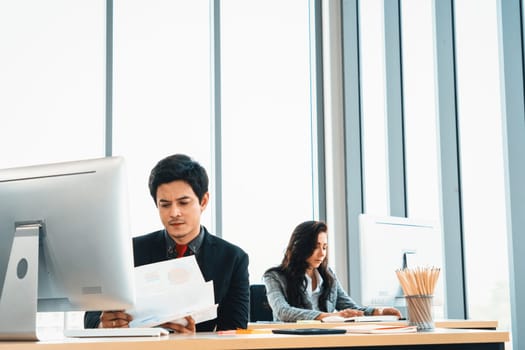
pixel 466 324
pixel 439 338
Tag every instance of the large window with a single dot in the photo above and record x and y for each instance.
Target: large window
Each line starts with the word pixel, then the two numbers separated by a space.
pixel 52 81
pixel 419 109
pixel 266 139
pixel 372 49
pixel 162 106
pixel 482 177
pixel 480 136
pixel 420 116
pixel 161 93
pixel 54 98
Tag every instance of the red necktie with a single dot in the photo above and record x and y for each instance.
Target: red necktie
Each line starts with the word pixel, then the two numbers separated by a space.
pixel 181 249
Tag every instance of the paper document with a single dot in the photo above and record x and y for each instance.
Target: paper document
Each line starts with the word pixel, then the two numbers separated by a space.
pixel 379 329
pixel 168 291
pixel 378 318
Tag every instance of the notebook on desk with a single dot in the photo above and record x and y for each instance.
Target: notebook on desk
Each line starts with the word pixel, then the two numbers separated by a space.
pixel 115 332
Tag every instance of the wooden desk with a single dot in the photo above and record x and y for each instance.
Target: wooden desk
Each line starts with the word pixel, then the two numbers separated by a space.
pixel 439 339
pixel 466 324
pixel 462 324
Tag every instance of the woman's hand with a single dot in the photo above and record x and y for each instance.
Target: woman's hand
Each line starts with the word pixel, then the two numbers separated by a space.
pixel 189 328
pixel 343 313
pixel 388 311
pixel 349 313
pixel 114 319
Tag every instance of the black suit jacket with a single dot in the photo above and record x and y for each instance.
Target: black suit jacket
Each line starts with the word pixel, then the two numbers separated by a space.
pixel 220 261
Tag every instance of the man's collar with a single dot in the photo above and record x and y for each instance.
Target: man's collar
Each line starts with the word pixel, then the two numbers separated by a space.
pixel 194 245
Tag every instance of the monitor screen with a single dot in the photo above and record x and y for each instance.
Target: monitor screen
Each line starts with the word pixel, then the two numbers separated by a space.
pixel 82 257
pixel 391 243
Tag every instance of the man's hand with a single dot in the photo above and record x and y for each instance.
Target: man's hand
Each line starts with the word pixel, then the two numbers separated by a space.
pixel 189 328
pixel 114 319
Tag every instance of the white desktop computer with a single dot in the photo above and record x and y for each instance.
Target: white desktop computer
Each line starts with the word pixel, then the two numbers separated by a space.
pixel 65 241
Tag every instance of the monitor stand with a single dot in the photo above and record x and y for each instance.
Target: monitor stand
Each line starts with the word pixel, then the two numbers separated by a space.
pixel 18 302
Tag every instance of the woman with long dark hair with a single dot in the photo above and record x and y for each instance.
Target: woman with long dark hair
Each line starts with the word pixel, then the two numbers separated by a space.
pixel 303 287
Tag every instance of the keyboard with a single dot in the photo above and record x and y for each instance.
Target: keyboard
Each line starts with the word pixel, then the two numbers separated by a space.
pixel 115 332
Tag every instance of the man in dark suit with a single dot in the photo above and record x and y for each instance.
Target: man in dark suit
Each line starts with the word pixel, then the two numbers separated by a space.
pixel 179 187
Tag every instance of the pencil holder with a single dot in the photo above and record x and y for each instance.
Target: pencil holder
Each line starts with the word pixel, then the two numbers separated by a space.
pixel 419 308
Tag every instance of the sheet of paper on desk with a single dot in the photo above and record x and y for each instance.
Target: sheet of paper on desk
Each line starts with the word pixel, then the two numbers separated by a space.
pixel 378 318
pixel 379 329
pixel 169 291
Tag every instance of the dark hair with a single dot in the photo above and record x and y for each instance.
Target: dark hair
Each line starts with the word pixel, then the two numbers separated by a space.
pixel 178 167
pixel 301 246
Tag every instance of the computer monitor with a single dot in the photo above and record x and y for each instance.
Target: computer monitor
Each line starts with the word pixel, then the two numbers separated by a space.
pixel 390 243
pixel 65 242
